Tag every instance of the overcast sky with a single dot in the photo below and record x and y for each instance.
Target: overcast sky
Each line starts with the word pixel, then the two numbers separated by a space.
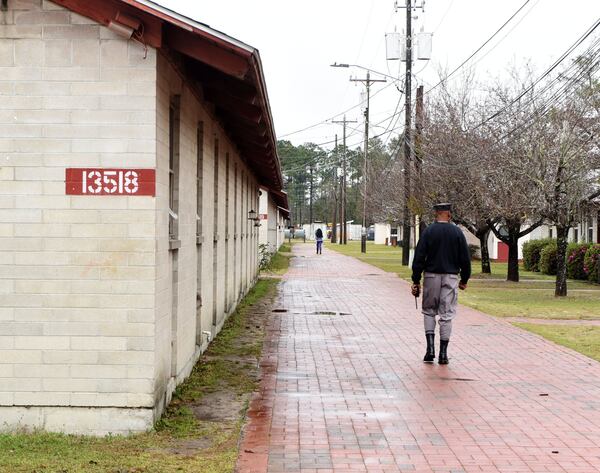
pixel 299 40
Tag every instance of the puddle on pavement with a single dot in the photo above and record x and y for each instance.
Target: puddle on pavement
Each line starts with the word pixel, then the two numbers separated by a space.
pixel 456 379
pixel 292 375
pixel 329 313
pixel 279 311
pixel 380 415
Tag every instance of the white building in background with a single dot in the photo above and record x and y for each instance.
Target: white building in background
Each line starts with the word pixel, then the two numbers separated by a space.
pixel 129 168
pixel 383 233
pixel 586 231
pixel 311 228
pixel 273 216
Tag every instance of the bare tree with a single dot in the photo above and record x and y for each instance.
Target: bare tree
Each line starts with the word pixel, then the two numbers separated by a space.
pixel 454 165
pixel 517 144
pixel 570 159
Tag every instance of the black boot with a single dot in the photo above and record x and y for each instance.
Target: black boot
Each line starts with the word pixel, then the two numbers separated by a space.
pixel 430 354
pixel 443 359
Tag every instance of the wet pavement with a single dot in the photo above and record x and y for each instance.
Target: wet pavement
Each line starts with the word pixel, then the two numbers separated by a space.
pixel 344 388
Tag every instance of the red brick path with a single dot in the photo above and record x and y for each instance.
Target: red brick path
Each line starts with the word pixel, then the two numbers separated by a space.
pixel 344 388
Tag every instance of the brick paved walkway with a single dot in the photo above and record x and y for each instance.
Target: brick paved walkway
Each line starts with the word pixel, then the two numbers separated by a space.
pixel 344 388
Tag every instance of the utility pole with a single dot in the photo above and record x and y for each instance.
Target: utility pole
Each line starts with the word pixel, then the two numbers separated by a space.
pixel 310 197
pixel 407 136
pixel 343 226
pixel 335 198
pixel 367 81
pixel 395 52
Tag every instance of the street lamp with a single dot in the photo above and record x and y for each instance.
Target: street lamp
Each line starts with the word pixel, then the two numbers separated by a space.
pixel 346 66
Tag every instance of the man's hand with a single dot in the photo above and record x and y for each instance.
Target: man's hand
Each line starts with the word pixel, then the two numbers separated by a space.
pixel 462 286
pixel 415 289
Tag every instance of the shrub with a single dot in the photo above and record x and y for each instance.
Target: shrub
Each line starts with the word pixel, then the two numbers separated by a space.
pixel 575 256
pixel 590 262
pixel 264 256
pixel 547 264
pixel 531 253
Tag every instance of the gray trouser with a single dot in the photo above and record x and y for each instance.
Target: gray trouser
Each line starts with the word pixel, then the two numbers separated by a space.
pixel 440 294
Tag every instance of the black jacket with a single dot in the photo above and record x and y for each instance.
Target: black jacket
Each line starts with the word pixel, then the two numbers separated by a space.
pixel 442 249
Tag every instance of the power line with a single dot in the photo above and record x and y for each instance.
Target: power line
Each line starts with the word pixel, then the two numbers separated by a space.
pixel 556 63
pixel 507 33
pixel 480 47
pixel 322 122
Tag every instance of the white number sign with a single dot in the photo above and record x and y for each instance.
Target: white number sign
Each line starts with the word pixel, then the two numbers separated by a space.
pixel 109 182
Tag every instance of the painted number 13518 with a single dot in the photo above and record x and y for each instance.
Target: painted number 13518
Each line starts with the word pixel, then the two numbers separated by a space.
pixel 110 181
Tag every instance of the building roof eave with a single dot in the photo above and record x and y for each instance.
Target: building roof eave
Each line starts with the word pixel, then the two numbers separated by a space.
pixel 224 57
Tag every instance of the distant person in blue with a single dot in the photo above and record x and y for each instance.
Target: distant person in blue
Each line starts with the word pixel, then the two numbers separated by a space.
pixel 442 254
pixel 319 238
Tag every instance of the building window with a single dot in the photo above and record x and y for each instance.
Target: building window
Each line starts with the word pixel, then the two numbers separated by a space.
pixel 215 231
pixel 174 124
pixel 590 235
pixel 227 164
pixel 199 176
pixel 227 187
pixel 242 209
pixel 550 233
pixel 235 228
pixel 235 200
pixel 576 235
pixel 216 189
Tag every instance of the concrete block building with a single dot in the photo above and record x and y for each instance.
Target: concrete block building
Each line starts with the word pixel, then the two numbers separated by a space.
pixel 133 142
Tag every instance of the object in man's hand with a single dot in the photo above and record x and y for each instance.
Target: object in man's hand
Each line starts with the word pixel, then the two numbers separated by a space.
pixel 416 290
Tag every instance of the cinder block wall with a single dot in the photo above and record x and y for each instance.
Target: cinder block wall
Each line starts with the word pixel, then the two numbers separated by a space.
pixel 97 313
pixel 77 274
pixel 224 253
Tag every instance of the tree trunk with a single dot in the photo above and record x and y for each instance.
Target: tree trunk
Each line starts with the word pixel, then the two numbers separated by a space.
pixel 562 232
pixel 485 252
pixel 513 255
pixel 334 222
pixel 310 210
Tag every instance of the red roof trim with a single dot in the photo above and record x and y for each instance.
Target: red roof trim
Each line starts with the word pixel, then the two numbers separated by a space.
pixel 168 30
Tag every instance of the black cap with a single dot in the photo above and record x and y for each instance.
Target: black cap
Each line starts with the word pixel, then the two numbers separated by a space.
pixel 443 206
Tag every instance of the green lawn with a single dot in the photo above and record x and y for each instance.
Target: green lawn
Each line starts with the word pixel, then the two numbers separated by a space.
pixel 531 302
pixel 582 338
pixel 388 258
pixel 499 271
pixel 532 297
pixel 280 261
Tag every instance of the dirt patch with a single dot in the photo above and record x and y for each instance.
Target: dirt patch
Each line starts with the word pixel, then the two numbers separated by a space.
pixel 210 406
pixel 220 406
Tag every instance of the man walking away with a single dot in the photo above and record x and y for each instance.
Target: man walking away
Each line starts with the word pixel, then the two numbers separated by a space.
pixel 442 253
pixel 319 238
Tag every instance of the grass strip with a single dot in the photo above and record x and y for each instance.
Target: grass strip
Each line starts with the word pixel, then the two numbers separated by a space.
pixel 582 338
